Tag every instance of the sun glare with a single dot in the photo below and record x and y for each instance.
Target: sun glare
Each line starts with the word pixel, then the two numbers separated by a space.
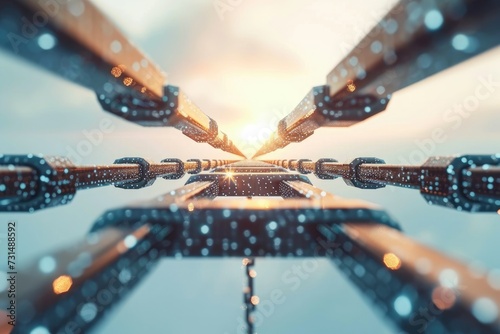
pixel 253 136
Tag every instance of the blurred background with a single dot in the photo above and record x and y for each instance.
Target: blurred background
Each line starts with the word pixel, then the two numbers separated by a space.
pixel 247 67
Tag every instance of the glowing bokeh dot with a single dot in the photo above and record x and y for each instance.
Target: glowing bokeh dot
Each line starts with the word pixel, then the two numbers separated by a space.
pixel 402 306
pixel 485 310
pixel 391 261
pixel 62 284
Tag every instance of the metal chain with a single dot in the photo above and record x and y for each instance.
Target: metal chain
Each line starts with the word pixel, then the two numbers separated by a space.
pixel 250 300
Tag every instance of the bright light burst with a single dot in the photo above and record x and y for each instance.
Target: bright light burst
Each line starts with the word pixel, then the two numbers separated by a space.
pixel 229 176
pixel 253 136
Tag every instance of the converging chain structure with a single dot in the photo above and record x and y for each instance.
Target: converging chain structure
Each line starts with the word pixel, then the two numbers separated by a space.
pixel 263 207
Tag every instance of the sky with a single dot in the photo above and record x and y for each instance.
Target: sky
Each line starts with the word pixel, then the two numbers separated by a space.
pixel 247 68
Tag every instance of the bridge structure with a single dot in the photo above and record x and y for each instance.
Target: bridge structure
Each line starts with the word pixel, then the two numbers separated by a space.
pixel 263 207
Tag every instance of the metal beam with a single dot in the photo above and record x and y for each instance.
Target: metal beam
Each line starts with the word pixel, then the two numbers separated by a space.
pixel 467 182
pixel 417 288
pixel 399 275
pixel 415 40
pixel 76 41
pixel 69 290
pixel 31 182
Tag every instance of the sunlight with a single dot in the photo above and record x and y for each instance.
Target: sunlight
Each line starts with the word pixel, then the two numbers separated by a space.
pixel 253 136
pixel 229 177
pixel 256 133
